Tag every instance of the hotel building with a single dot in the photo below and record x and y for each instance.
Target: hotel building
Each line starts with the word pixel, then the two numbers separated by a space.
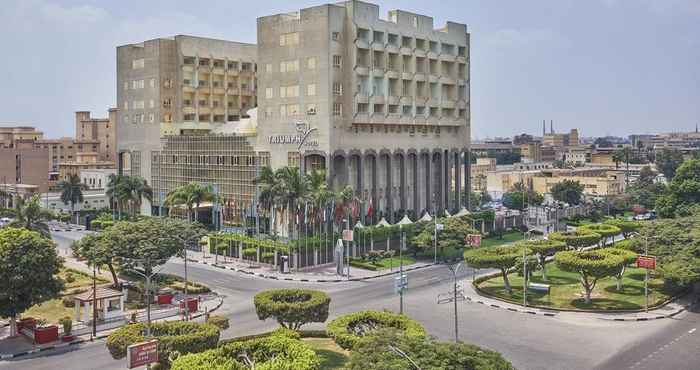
pixel 382 104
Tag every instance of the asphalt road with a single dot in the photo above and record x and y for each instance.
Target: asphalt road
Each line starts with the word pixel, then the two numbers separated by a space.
pixel 528 341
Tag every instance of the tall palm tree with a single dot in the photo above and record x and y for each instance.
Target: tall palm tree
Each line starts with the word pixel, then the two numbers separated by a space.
pixel 294 187
pixel 115 190
pixel 72 192
pixel 192 195
pixel 136 189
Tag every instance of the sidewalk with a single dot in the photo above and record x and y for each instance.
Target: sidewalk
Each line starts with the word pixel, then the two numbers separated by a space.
pixel 22 346
pixel 319 274
pixel 666 311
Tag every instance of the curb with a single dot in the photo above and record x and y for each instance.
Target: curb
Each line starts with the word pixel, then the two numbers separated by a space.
pixel 493 305
pixel 658 317
pixel 81 341
pixel 275 277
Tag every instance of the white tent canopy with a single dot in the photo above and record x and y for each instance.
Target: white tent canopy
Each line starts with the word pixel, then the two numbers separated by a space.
pixel 426 217
pixel 462 212
pixel 383 222
pixel 359 225
pixel 405 221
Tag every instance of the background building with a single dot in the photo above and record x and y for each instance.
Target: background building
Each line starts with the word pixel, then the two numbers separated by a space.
pixel 96 179
pixel 102 130
pixel 179 85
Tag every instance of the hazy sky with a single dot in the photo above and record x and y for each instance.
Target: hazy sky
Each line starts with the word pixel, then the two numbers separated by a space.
pixel 604 66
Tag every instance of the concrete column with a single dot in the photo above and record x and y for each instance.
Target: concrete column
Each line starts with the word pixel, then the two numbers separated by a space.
pixel 389 189
pixel 121 301
pixel 104 308
pixel 447 179
pixel 77 310
pixel 403 175
pixel 274 263
pixel 458 181
pixel 88 311
pixel 359 187
pixel 429 197
pixel 416 185
pixel 467 178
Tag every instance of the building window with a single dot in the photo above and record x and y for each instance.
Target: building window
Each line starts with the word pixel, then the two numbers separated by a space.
pixel 268 93
pixel 268 68
pixel 126 105
pixel 311 109
pixel 151 104
pixel 311 63
pixel 126 118
pixel 289 66
pixel 335 36
pixel 268 112
pixel 289 39
pixel 289 91
pixel 337 109
pixel 137 84
pixel 337 88
pixel 167 83
pixel 137 63
pixel 167 103
pixel 311 89
pixel 152 83
pixel 337 61
pixel 151 118
pixel 362 107
pixel 126 85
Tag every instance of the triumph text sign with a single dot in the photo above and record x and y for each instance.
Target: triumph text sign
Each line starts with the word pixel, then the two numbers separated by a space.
pixel 300 138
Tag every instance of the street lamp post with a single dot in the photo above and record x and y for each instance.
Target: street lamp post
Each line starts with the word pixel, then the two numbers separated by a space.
pixel 455 269
pixel 401 287
pixel 148 278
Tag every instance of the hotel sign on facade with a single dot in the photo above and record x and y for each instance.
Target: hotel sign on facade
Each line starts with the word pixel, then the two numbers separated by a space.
pixel 301 138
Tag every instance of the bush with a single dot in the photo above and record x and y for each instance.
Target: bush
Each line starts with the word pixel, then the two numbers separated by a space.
pixel 68 302
pixel 275 352
pixel 373 353
pixel 69 277
pixel 183 337
pixel 67 323
pixel 363 265
pixel 192 287
pixel 220 322
pixel 292 307
pixel 576 239
pixel 348 329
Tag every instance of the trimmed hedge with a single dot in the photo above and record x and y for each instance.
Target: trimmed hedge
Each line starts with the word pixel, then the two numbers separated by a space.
pixel 276 352
pixel 366 265
pixel 347 330
pixel 183 337
pixel 292 308
pixel 605 230
pixel 220 322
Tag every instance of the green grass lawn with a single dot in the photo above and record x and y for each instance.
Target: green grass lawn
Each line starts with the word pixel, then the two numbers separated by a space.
pixel 567 293
pixel 332 357
pixel 509 237
pixel 53 310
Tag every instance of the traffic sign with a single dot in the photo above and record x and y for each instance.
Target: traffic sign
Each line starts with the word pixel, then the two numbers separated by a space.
pixel 141 354
pixel 400 283
pixel 646 262
pixel 347 235
pixel 473 240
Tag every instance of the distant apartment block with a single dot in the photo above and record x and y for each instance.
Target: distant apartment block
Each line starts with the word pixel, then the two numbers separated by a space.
pixel 102 130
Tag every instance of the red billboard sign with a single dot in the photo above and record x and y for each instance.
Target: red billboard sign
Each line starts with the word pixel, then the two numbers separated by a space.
pixel 142 354
pixel 646 262
pixel 473 240
pixel 347 235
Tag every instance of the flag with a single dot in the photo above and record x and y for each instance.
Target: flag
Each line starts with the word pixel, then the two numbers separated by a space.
pixel 370 208
pixel 354 209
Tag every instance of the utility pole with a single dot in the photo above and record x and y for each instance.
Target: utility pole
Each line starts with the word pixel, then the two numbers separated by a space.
pixel 455 269
pixel 401 287
pixel 435 241
pixel 94 301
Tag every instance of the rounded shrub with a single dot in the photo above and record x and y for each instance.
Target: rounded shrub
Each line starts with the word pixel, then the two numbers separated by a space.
pixel 605 230
pixel 275 352
pixel 220 322
pixel 292 308
pixel 68 302
pixel 577 238
pixel 183 337
pixel 347 330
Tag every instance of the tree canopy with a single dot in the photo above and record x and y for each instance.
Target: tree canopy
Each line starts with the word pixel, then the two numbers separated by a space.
pixel 591 266
pixel 683 192
pixel 28 268
pixel 543 248
pixel 518 198
pixel 667 161
pixel 292 308
pixel 567 191
pixel 502 258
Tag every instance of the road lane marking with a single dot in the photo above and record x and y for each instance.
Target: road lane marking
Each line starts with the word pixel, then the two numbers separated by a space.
pixel 691 331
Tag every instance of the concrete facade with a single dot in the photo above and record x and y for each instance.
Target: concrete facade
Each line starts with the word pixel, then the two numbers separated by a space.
pixel 383 105
pixel 102 130
pixel 25 164
pixel 179 85
pixel 96 179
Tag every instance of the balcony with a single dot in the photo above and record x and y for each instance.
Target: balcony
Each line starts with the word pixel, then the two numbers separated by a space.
pixel 393 99
pixel 362 43
pixel 361 117
pixel 447 80
pixel 392 48
pixel 406 100
pixel 361 98
pixel 376 99
pixel 448 104
pixel 378 72
pixel 377 118
pixel 407 75
pixel 406 50
pixel 448 57
pixel 378 46
pixel 419 76
pixel 392 73
pixel 233 90
pixel 362 70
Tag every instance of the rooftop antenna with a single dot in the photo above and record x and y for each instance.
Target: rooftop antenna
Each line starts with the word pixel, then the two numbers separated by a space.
pixel 551 126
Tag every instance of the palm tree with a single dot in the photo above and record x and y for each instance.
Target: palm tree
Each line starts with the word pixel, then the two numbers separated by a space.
pixel 136 189
pixel 269 191
pixel 30 215
pixel 191 195
pixel 72 192
pixel 294 187
pixel 115 190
